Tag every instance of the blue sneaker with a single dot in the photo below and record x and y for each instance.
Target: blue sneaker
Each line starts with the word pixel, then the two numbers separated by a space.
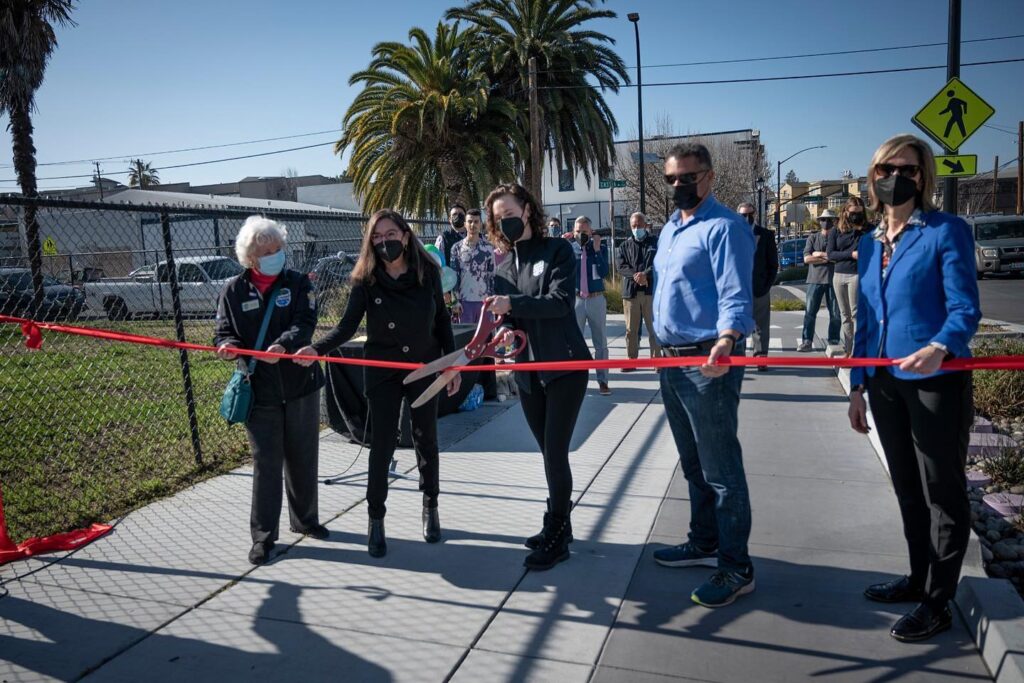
pixel 723 588
pixel 686 555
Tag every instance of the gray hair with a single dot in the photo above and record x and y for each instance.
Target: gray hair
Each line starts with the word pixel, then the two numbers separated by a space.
pixel 258 231
pixel 583 219
pixel 747 205
pixel 637 214
pixel 691 149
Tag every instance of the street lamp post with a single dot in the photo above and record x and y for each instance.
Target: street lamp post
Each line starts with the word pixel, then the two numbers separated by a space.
pixel 760 200
pixel 778 189
pixel 635 19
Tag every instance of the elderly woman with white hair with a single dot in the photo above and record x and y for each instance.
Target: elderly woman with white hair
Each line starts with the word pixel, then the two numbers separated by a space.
pixel 283 426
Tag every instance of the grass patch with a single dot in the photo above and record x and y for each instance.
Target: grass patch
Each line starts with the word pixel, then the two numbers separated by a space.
pixel 999 393
pixel 787 305
pixel 1007 468
pixel 613 294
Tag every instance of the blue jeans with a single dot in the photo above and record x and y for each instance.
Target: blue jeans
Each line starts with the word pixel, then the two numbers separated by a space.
pixel 702 413
pixel 815 293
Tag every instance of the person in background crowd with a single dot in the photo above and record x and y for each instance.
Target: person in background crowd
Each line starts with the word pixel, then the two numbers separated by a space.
pixel 918 300
pixel 591 306
pixel 396 285
pixel 703 306
pixel 450 236
pixel 819 284
pixel 473 262
pixel 766 268
pixel 635 263
pixel 841 248
pixel 284 427
pixel 554 227
pixel 534 291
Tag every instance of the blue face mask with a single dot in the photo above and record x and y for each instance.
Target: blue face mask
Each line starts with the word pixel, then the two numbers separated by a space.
pixel 640 234
pixel 272 264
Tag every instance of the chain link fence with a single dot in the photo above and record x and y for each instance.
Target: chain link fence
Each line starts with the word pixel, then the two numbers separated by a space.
pixel 94 428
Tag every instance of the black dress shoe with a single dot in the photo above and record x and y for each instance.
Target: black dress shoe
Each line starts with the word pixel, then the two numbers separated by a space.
pixel 318 531
pixel 376 543
pixel 897 590
pixel 431 525
pixel 923 622
pixel 260 552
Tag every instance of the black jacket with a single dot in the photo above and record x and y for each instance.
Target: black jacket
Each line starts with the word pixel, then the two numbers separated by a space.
pixel 766 260
pixel 538 278
pixel 636 257
pixel 405 321
pixel 239 316
pixel 450 237
pixel 840 247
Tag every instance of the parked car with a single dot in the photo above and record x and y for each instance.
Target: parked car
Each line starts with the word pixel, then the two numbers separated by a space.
pixel 60 301
pixel 791 253
pixel 147 292
pixel 998 244
pixel 331 272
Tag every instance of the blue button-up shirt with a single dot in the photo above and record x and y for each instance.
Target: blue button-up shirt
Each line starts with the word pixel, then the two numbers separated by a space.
pixel 702 276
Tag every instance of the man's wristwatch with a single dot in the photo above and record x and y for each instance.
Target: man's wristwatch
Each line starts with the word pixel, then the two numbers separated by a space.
pixel 731 337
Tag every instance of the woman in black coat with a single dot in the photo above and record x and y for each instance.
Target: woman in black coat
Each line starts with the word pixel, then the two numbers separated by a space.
pixel 534 290
pixel 396 284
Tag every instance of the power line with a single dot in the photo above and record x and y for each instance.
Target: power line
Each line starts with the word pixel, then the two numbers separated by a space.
pixel 176 151
pixel 785 78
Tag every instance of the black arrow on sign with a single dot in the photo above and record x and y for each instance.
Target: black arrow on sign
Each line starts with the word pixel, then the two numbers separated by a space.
pixel 953 168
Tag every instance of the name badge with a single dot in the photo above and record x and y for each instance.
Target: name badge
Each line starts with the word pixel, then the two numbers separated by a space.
pixel 284 298
pixel 250 305
pixel 538 268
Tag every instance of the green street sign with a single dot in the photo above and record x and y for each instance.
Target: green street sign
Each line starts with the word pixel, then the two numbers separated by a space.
pixel 605 183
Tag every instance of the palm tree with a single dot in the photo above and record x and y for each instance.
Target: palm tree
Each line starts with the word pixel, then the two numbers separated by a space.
pixel 27 40
pixel 141 174
pixel 578 128
pixel 426 131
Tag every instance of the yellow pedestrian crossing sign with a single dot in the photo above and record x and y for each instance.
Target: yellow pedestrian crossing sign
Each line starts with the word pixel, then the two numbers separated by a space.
pixel 49 247
pixel 953 115
pixel 956 165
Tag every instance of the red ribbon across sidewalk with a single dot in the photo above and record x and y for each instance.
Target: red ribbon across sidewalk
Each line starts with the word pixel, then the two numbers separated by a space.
pixel 9 551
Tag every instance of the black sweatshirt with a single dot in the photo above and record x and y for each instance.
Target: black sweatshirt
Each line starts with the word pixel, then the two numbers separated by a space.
pixel 840 247
pixel 636 256
pixel 405 321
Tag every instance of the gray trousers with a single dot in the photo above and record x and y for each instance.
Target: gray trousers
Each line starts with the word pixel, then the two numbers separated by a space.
pixel 594 311
pixel 845 286
pixel 288 436
pixel 762 324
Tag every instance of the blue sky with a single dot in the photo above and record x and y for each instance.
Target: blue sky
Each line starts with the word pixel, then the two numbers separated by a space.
pixel 138 76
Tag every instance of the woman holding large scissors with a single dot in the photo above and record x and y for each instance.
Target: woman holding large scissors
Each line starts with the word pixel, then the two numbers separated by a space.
pixel 534 291
pixel 397 286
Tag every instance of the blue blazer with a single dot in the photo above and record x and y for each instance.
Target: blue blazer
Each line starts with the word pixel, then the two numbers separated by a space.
pixel 929 293
pixel 597 264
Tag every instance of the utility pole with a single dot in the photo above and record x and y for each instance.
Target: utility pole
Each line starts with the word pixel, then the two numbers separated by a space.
pixel 995 185
pixel 535 171
pixel 949 198
pixel 1020 168
pixel 99 183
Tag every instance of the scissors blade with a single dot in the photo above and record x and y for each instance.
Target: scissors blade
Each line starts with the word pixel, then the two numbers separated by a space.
pixel 435 387
pixel 443 363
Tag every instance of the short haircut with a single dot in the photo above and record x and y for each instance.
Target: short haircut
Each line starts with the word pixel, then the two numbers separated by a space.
pixel 637 214
pixel 474 212
pixel 583 219
pixel 458 206
pixel 691 149
pixel 258 231
pixel 745 205
pixel 554 219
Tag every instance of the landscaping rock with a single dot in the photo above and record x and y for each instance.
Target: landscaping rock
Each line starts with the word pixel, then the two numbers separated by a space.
pixel 993 536
pixel 986 555
pixel 1005 551
pixel 989 444
pixel 997 570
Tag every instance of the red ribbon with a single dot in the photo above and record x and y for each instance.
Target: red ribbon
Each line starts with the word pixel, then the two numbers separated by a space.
pixel 69 540
pixel 33 339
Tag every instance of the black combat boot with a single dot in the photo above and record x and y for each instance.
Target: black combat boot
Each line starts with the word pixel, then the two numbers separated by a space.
pixel 555 546
pixel 431 524
pixel 535 541
pixel 376 543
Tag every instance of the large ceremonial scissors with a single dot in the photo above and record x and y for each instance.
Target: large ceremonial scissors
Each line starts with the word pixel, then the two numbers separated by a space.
pixel 479 346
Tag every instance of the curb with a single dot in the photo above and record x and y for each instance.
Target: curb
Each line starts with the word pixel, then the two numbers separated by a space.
pixel 991 608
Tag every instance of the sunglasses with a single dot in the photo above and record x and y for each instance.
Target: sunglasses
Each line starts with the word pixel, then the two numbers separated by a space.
pixel 685 178
pixel 905 170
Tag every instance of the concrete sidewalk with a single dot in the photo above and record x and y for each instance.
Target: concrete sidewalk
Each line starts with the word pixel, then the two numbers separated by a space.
pixel 170 596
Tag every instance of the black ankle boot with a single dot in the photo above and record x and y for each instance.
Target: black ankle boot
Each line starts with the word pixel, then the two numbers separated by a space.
pixel 554 548
pixel 431 525
pixel 376 543
pixel 535 541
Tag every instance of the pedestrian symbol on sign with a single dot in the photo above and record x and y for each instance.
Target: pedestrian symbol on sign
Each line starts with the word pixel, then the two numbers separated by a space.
pixel 49 247
pixel 956 108
pixel 954 114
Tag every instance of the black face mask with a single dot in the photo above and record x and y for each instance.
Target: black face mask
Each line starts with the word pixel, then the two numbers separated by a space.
pixel 389 250
pixel 855 218
pixel 895 190
pixel 458 220
pixel 512 228
pixel 685 197
pixel 584 238
pixel 749 217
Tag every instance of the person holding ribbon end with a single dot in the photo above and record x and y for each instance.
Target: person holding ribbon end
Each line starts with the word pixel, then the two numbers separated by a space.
pixel 396 285
pixel 917 302
pixel 535 291
pixel 283 427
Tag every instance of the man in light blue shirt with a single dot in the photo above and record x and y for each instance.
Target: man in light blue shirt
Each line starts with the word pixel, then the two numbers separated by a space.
pixel 703 306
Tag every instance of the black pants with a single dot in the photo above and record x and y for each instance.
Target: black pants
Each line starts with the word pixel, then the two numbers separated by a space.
pixel 385 398
pixel 924 426
pixel 551 412
pixel 285 435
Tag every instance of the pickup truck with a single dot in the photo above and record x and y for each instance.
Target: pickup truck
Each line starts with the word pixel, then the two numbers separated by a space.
pixel 998 244
pixel 147 291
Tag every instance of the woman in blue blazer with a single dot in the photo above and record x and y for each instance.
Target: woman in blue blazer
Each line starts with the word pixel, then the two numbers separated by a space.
pixel 918 302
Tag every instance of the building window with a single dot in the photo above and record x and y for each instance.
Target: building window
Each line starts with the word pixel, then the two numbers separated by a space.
pixel 566 180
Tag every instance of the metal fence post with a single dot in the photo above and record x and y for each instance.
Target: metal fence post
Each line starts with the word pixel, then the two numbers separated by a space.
pixel 179 330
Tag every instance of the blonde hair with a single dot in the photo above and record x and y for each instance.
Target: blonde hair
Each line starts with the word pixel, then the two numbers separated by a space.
pixel 927 162
pixel 258 231
pixel 844 220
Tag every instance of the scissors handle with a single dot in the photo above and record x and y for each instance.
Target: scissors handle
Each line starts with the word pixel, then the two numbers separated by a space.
pixel 517 348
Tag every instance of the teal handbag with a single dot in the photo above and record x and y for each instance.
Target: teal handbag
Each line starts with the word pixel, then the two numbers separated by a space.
pixel 236 405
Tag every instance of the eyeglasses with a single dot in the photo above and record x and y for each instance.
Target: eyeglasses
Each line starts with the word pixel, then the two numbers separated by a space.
pixel 905 170
pixel 686 178
pixel 389 235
